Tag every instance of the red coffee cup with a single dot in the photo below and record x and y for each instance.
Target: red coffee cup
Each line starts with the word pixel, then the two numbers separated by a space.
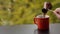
pixel 42 22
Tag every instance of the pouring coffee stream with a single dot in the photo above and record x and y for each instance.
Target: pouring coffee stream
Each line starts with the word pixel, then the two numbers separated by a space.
pixel 47 6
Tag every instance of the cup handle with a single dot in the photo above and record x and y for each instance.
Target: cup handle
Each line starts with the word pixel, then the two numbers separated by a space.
pixel 35 21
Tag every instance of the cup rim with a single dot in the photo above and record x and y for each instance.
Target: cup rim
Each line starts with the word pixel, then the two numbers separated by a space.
pixel 38 16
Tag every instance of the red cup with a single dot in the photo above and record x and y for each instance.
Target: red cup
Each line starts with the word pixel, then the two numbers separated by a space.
pixel 42 22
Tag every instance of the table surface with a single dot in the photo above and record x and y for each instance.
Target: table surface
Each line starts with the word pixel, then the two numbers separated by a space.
pixel 28 29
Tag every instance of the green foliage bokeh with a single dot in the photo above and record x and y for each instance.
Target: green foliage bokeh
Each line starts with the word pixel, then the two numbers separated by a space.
pixel 24 11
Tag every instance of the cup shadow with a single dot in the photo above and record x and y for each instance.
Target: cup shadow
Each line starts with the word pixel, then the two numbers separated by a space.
pixel 36 31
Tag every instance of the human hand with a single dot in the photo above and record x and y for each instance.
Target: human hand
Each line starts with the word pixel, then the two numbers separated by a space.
pixel 57 12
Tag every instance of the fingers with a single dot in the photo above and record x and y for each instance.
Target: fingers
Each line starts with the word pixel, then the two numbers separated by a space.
pixel 57 12
pixel 58 16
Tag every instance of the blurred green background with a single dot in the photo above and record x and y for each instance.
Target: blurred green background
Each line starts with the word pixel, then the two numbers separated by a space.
pixel 16 12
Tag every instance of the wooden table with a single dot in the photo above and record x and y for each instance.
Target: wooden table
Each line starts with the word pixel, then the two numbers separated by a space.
pixel 29 29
